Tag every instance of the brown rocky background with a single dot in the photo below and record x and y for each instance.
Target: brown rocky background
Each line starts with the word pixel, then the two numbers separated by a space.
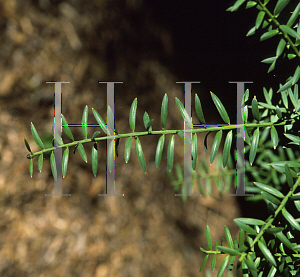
pixel 149 231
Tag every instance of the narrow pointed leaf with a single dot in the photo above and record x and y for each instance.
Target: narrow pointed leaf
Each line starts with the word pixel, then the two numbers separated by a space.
pixel 170 154
pixel 269 189
pixel 84 122
pixel 183 112
pixel 95 159
pixel 294 16
pixel 139 152
pixel 281 4
pixel 53 166
pixel 254 145
pixel 259 19
pixel 249 262
pixel 280 47
pixel 227 148
pixel 229 251
pixel 274 136
pixel 66 128
pixel 255 110
pixel 293 138
pixel 82 152
pixel 30 167
pixel 159 150
pixel 266 252
pixel 215 146
pixel 40 162
pixel 186 138
pixel 27 145
pixel 250 221
pixel 223 266
pixel 110 120
pixel 65 160
pixel 208 237
pixel 289 31
pixel 100 121
pixel 132 114
pixel 284 240
pixel 278 112
pixel 271 198
pixel 228 237
pixel 194 151
pixel 36 137
pixel 286 86
pixel 269 34
pixel 236 5
pixel 199 111
pixel 95 134
pixel 164 111
pixel 290 219
pixel 296 77
pixel 220 108
pixel 245 227
pixel 111 155
pixel 274 230
pixel 269 60
pixel 289 177
pixel 241 237
pixel 251 32
pixel 203 263
pixel 213 262
pixel 127 149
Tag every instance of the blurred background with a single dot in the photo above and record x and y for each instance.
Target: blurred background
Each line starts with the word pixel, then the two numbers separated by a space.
pixel 149 45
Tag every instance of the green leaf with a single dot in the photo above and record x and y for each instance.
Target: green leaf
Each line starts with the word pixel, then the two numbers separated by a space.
pixel 271 198
pixel 293 138
pixel 296 78
pixel 203 263
pixel 241 237
pixel 110 119
pixel 208 237
pixel 84 122
pixel 290 219
pixel 289 31
pixel 94 159
pixel 228 237
pixel 251 31
pixel 30 167
pixel 194 151
pixel 259 19
pixel 223 266
pixel 266 252
pixel 66 128
pixel 245 227
pixel 53 166
pixel 229 251
pixel 100 121
pixel 254 145
pixel 220 108
pixel 274 136
pixel 269 60
pixel 164 111
pixel 274 230
pixel 199 111
pixel 132 114
pixel 183 113
pixel 213 262
pixel 255 110
pixel 269 34
pixel 159 150
pixel 111 155
pixel 280 47
pixel 215 146
pixel 186 138
pixel 36 137
pixel 170 155
pixel 139 152
pixel 269 189
pixel 235 7
pixel 286 86
pixel 271 68
pixel 82 152
pixel 251 265
pixel 127 149
pixel 278 112
pixel 284 240
pixel 250 4
pixel 27 145
pixel 227 148
pixel 281 4
pixel 251 221
pixel 294 16
pixel 95 134
pixel 289 177
pixel 65 160
pixel 40 162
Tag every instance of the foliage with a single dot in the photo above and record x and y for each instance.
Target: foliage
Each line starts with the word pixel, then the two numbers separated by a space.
pixel 268 247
